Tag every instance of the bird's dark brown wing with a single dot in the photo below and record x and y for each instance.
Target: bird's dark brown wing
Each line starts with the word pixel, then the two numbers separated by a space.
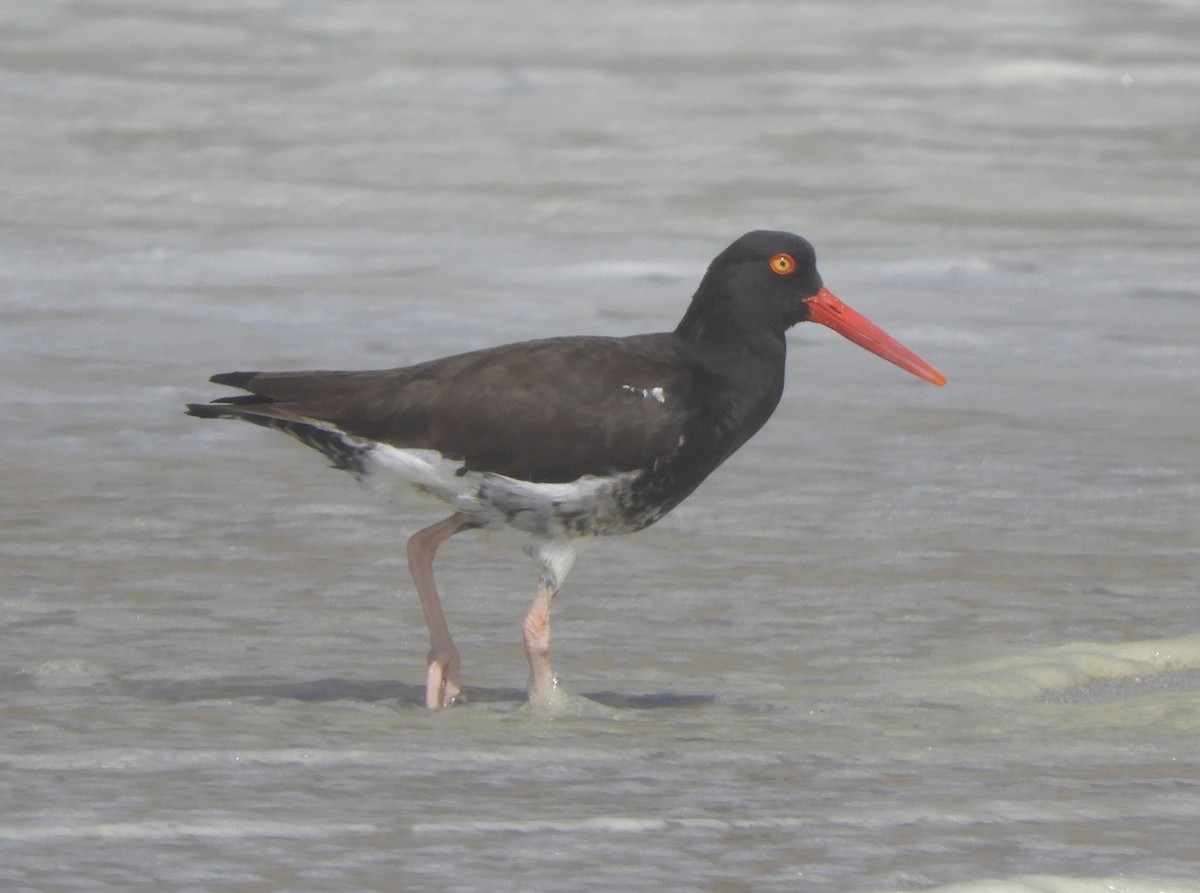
pixel 547 411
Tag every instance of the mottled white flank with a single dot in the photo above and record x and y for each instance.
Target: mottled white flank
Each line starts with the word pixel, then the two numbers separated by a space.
pixel 657 394
pixel 558 511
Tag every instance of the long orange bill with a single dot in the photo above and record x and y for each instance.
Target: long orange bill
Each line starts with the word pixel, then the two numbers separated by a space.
pixel 826 309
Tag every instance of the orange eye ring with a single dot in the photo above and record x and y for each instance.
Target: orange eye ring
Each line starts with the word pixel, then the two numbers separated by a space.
pixel 783 264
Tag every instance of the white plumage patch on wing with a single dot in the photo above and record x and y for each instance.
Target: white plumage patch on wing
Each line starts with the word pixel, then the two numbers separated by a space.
pixel 585 507
pixel 658 395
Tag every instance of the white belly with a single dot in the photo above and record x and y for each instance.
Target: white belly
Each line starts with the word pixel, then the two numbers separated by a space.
pixel 589 506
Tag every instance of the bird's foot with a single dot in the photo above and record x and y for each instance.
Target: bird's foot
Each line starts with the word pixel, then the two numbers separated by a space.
pixel 442 687
pixel 545 691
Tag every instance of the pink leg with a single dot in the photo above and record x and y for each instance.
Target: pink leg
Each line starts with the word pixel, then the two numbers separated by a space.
pixel 442 680
pixel 557 557
pixel 537 641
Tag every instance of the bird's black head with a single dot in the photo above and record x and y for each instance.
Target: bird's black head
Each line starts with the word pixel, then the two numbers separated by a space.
pixel 757 285
pixel 765 283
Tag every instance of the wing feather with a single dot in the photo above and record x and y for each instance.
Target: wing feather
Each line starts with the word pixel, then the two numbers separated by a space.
pixel 546 411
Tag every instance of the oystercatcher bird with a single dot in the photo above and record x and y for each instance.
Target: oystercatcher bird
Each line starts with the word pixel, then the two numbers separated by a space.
pixel 566 439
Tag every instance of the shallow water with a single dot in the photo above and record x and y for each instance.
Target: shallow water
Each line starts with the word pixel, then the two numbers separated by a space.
pixel 907 638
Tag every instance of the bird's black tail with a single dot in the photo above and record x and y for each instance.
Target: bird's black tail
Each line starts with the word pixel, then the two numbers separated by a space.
pixel 344 450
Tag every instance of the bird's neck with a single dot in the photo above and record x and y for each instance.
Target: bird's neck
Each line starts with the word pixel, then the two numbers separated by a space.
pixel 741 355
pixel 741 382
pixel 715 322
pixel 745 357
pixel 737 391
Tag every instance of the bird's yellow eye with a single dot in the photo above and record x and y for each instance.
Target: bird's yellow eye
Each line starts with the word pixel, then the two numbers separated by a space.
pixel 783 264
